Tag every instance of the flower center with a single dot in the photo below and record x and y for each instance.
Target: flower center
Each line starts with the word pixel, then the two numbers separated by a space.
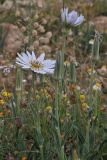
pixel 36 65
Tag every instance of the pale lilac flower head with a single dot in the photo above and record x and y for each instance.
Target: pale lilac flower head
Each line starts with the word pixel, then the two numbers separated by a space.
pixel 38 65
pixel 71 18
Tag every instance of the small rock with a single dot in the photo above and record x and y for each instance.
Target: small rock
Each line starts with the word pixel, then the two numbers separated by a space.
pixel 34 33
pixel 23 29
pixel 36 25
pixel 49 35
pixel 41 29
pixel 6 6
pixel 26 40
pixel 44 21
pixel 100 24
pixel 13 39
pixel 46 49
pixel 44 40
pixel 36 44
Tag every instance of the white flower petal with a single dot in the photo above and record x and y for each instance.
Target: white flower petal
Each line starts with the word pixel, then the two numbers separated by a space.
pixel 33 56
pixel 49 63
pixel 41 57
pixel 29 55
pixel 22 64
pixel 19 60
pixel 25 57
pixel 25 67
pixel 72 17
pixel 22 58
pixel 41 71
pixel 79 20
pixel 48 70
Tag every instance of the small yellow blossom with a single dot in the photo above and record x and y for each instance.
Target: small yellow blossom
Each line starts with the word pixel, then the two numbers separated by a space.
pixel 2 102
pixel 97 86
pixel 64 97
pixel 91 71
pixel 82 98
pixel 6 94
pixel 48 96
pixel 1 114
pixel 84 106
pixel 67 63
pixel 68 116
pixel 48 109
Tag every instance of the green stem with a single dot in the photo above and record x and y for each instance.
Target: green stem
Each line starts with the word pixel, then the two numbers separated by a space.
pixel 61 154
pixel 88 136
pixel 62 71
pixel 91 82
pixel 56 103
pixel 41 151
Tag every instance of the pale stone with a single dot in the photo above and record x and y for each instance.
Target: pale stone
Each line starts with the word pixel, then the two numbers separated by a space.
pixel 44 40
pixel 14 38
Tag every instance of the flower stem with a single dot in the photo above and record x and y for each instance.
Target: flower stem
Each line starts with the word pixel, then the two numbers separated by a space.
pixel 61 154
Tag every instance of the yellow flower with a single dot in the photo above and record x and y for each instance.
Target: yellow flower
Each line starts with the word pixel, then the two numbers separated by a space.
pixel 48 109
pixel 68 116
pixel 82 98
pixel 1 114
pixel 64 97
pixel 91 71
pixel 84 106
pixel 48 96
pixel 97 86
pixel 2 102
pixel 6 94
